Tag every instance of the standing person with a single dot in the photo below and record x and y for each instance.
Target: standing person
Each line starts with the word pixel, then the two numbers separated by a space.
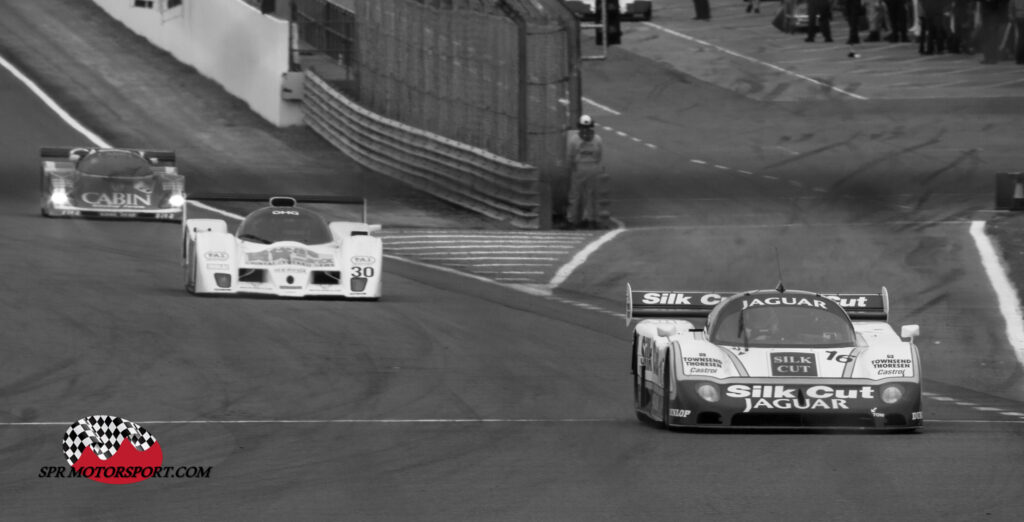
pixel 994 16
pixel 932 16
pixel 819 12
pixel 584 151
pixel 898 18
pixel 852 10
pixel 876 18
pixel 703 9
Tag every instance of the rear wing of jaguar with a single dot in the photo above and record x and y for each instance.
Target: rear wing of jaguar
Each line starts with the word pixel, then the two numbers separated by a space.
pixel 672 304
pixel 873 307
pixel 159 158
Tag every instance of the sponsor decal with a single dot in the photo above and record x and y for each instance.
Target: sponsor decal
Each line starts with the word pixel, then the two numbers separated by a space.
pixel 673 412
pixel 117 199
pixel 217 266
pixel 849 302
pixel 289 256
pixel 217 255
pixel 740 350
pixel 363 260
pixel 892 366
pixel 785 301
pixel 794 364
pixel 289 270
pixel 646 352
pixel 917 415
pixel 679 298
pixel 701 365
pixel 286 212
pixel 143 186
pixel 781 397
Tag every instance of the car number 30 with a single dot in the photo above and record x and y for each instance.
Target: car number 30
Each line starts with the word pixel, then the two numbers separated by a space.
pixel 362 271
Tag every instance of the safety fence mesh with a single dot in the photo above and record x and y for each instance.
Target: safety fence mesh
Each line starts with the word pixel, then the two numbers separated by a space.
pixel 501 75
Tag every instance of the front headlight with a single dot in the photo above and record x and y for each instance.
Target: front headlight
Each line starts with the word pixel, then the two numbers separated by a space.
pixel 708 392
pixel 176 200
pixel 892 393
pixel 59 198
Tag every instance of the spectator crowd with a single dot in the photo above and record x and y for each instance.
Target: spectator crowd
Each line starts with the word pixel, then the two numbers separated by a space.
pixel 993 28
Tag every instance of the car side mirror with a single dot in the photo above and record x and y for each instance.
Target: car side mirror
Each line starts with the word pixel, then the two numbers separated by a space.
pixel 910 331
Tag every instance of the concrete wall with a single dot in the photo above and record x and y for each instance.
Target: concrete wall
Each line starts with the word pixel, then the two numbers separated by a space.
pixel 229 41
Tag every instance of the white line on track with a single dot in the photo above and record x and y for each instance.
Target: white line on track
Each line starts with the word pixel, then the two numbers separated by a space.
pixel 581 256
pixel 753 60
pixel 602 107
pixel 609 420
pixel 338 421
pixel 46 99
pixel 1006 294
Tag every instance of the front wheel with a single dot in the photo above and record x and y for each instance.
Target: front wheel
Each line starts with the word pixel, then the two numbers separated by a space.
pixel 190 271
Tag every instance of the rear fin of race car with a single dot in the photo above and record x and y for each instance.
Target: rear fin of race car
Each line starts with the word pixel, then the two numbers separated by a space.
pixel 159 157
pixel 56 152
pixel 864 306
pixel 670 303
pixel 270 198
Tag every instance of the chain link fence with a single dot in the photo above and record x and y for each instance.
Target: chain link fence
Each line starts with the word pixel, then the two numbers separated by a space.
pixel 500 75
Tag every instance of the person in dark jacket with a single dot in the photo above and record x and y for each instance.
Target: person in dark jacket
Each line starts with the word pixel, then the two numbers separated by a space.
pixel 898 18
pixel 819 13
pixel 994 16
pixel 933 26
pixel 852 11
pixel 703 9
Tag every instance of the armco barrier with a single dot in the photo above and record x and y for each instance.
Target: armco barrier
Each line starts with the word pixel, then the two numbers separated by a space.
pixel 473 178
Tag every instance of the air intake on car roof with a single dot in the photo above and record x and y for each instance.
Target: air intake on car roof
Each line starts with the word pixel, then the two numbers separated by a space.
pixel 281 201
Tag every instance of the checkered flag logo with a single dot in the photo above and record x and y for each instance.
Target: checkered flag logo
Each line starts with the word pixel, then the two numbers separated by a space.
pixel 104 434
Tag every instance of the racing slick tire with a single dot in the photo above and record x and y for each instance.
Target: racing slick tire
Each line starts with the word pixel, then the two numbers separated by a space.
pixel 190 271
pixel 639 393
pixel 667 375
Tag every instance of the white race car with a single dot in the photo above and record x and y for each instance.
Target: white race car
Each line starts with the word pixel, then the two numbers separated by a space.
pixel 282 249
pixel 773 358
pixel 587 10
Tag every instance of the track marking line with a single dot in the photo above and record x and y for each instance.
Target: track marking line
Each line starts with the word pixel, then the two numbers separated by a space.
pixel 343 421
pixel 566 270
pixel 730 52
pixel 49 102
pixel 1006 294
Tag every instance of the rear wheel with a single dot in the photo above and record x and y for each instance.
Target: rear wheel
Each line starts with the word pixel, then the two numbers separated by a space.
pixel 641 397
pixel 666 381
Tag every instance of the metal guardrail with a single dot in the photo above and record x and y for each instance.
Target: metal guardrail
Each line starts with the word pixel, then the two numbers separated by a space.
pixel 473 178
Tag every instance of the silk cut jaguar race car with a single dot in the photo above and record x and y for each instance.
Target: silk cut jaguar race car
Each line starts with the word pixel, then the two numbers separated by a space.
pixel 282 249
pixel 110 183
pixel 773 358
